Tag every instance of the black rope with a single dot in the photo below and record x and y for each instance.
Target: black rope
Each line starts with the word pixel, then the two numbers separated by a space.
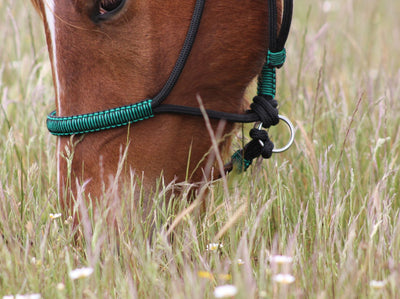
pixel 248 117
pixel 273 25
pixel 262 109
pixel 183 55
pixel 254 148
pixel 286 22
pixel 267 110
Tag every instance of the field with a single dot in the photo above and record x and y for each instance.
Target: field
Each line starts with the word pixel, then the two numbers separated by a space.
pixel 330 205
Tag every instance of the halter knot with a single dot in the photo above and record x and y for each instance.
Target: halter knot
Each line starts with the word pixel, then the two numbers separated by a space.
pixel 266 109
pixel 254 147
pixel 260 145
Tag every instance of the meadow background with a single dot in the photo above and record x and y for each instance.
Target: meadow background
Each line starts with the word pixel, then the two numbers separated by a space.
pixel 330 204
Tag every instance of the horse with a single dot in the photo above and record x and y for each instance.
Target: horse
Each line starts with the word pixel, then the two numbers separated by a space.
pixel 110 53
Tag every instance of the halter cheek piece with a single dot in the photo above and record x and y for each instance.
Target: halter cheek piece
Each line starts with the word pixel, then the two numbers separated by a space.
pixel 264 109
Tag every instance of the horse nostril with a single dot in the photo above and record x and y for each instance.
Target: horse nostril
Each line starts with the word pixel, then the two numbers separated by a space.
pixel 107 6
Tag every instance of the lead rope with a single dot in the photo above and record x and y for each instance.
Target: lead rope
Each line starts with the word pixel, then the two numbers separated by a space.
pixel 265 104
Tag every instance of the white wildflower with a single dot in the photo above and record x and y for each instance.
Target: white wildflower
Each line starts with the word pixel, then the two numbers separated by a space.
pixel 214 246
pixel 27 296
pixel 377 284
pixel 225 291
pixel 283 278
pixel 280 259
pixel 240 262
pixel 60 286
pixel 80 273
pixel 263 294
pixel 55 216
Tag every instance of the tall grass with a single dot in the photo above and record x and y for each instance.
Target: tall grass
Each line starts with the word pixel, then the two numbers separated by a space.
pixel 331 202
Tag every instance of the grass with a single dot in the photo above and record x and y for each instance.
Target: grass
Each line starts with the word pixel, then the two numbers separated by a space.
pixel 331 202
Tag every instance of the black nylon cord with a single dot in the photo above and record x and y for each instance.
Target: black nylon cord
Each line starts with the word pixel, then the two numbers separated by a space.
pixel 286 22
pixel 266 109
pixel 248 117
pixel 273 25
pixel 183 55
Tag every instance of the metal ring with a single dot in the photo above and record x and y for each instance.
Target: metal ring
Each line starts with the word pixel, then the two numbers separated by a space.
pixel 291 140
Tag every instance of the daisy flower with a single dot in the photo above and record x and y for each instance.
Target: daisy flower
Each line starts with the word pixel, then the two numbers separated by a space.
pixel 27 296
pixel 283 278
pixel 240 262
pixel 225 291
pixel 280 259
pixel 80 273
pixel 377 284
pixel 60 286
pixel 55 216
pixel 214 246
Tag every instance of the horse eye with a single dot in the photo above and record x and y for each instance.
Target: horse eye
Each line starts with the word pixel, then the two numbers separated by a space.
pixel 107 8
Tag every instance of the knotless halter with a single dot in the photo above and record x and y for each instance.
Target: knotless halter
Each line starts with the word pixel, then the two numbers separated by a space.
pixel 263 109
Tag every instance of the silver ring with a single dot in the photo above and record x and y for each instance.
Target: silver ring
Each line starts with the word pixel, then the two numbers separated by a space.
pixel 291 140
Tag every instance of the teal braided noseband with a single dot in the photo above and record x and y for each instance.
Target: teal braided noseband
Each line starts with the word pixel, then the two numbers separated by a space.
pixel 98 121
pixel 121 116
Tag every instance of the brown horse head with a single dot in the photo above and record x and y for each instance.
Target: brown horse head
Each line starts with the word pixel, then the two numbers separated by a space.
pixel 109 53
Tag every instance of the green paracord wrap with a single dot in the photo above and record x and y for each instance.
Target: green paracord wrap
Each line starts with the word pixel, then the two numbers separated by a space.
pixel 267 78
pixel 239 162
pixel 98 121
